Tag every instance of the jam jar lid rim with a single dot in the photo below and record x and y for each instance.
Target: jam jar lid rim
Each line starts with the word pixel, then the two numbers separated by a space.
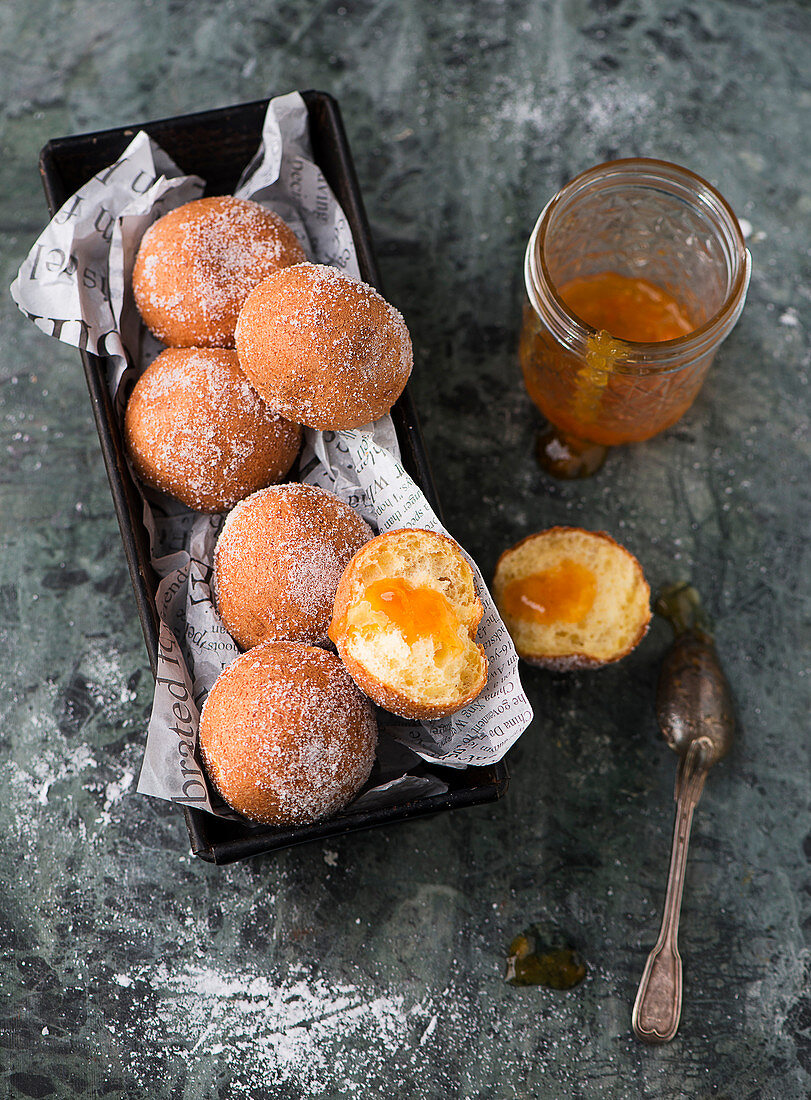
pixel 714 329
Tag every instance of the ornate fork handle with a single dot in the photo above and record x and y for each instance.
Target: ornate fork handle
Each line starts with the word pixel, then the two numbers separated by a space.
pixel 657 1008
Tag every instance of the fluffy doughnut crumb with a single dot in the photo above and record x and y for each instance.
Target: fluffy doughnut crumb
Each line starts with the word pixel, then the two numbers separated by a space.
pixel 405 621
pixel 285 735
pixel 571 598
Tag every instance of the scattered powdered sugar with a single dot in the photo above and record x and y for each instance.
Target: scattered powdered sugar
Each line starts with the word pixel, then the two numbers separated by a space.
pixel 39 788
pixel 116 790
pixel 297 1032
pixel 429 1031
pixel 47 770
pixel 65 753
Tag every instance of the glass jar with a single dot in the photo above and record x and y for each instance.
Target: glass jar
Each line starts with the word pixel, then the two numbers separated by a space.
pixel 643 220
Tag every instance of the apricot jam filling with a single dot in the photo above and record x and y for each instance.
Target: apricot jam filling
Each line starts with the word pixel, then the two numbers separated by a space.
pixel 620 308
pixel 417 612
pixel 627 308
pixel 564 593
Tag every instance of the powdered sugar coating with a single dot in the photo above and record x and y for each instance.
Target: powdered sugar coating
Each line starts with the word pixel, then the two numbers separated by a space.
pixel 196 428
pixel 286 736
pixel 322 348
pixel 198 263
pixel 278 561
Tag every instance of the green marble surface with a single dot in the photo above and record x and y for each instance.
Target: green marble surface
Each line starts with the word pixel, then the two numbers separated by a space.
pixel 373 966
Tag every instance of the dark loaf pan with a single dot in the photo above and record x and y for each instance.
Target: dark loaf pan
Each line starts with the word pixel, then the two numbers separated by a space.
pixel 217 145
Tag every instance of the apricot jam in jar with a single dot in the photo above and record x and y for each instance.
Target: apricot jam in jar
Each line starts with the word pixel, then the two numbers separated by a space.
pixel 635 272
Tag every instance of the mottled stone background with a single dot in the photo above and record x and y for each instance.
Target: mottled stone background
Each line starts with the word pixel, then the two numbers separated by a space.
pixel 372 967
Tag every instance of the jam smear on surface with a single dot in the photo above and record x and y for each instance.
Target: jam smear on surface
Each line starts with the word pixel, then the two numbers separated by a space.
pixel 536 958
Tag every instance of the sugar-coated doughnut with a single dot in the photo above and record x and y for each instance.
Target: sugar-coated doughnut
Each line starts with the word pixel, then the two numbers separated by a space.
pixel 285 735
pixel 195 428
pixel 197 264
pixel 405 620
pixel 278 561
pixel 322 348
pixel 571 598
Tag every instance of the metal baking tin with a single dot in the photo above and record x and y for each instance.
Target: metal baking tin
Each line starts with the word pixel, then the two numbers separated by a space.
pixel 216 145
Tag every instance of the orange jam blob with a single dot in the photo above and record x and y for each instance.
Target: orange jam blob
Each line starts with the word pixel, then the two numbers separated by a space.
pixel 563 593
pixel 416 612
pixel 627 308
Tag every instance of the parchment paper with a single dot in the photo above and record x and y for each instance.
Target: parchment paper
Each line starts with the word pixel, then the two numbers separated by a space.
pixel 75 285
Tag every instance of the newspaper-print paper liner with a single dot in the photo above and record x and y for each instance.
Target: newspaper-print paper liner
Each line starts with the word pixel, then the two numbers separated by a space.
pixel 75 285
